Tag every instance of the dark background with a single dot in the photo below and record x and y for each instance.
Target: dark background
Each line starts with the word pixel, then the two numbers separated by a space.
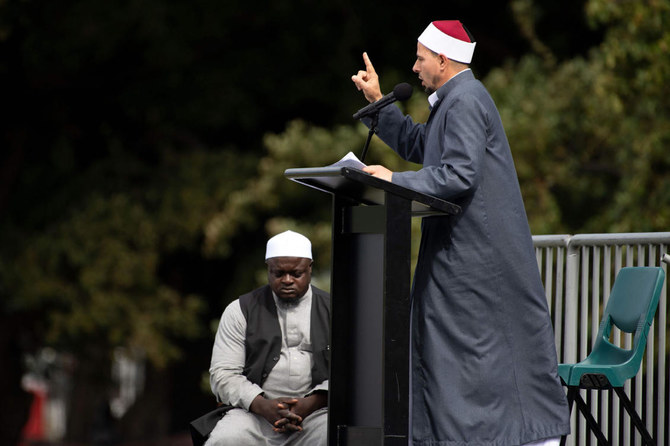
pixel 97 98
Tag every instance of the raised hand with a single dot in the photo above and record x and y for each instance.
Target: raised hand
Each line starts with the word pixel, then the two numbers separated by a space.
pixel 367 81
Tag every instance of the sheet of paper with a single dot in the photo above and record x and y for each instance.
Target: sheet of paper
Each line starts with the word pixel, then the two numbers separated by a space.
pixel 349 160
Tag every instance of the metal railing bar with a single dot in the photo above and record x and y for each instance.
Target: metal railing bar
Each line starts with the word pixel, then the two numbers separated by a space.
pixel 578 271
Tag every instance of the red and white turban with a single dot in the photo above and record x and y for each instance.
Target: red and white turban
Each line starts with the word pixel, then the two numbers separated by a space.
pixel 448 37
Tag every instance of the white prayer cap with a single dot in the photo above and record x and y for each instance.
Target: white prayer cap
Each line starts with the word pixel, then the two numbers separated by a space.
pixel 289 244
pixel 448 37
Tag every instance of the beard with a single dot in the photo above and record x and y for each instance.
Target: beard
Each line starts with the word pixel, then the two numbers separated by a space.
pixel 428 86
pixel 288 302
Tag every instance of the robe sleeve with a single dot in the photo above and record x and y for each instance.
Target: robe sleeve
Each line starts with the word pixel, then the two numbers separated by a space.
pixel 228 356
pixel 322 386
pixel 459 134
pixel 401 133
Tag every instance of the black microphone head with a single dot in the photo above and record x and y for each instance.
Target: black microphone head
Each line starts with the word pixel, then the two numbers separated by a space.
pixel 402 91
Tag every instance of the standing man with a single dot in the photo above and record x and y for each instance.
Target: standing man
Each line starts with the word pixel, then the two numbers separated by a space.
pixel 483 364
pixel 270 356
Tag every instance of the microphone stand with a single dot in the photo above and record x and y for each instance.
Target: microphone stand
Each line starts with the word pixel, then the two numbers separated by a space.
pixel 372 131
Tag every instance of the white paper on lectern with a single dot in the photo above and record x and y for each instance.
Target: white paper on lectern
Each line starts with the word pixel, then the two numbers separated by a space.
pixel 349 160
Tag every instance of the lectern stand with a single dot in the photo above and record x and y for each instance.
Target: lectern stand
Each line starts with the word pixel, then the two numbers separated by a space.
pixel 370 288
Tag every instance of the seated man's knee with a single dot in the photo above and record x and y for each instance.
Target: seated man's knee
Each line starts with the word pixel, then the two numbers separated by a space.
pixel 237 428
pixel 315 429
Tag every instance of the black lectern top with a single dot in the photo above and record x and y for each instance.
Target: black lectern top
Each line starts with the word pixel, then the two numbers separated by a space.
pixel 363 188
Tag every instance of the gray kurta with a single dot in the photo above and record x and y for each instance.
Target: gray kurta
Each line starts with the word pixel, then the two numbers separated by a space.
pixel 483 356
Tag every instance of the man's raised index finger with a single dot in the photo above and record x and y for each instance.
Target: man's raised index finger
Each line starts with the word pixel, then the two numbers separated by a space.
pixel 368 65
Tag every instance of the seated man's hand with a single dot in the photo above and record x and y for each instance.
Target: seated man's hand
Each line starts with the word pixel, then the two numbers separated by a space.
pixel 278 412
pixel 302 408
pixel 305 406
pixel 291 421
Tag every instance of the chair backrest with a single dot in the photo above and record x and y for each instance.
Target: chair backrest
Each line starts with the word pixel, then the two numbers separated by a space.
pixel 634 299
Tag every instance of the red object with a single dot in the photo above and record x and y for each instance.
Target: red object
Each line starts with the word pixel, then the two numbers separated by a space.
pixel 453 28
pixel 34 428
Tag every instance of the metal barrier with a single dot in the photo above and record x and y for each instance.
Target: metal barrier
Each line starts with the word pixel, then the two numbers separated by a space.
pixel 578 272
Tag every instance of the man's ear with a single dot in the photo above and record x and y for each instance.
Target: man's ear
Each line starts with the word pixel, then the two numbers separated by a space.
pixel 444 61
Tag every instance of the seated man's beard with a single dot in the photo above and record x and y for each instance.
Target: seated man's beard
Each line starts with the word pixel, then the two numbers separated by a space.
pixel 289 302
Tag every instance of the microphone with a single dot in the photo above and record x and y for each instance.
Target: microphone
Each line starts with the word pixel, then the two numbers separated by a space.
pixel 401 92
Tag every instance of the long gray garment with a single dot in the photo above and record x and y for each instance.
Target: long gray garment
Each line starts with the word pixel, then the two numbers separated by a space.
pixel 484 366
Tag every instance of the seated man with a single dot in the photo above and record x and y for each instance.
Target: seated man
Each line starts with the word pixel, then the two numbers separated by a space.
pixel 270 355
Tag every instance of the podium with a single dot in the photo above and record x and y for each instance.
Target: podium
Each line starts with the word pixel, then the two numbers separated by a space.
pixel 368 396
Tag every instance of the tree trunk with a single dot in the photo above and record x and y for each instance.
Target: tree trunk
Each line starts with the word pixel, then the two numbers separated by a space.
pixel 148 420
pixel 15 406
pixel 89 420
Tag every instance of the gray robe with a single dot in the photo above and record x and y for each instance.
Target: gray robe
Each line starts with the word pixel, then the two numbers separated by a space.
pixel 484 366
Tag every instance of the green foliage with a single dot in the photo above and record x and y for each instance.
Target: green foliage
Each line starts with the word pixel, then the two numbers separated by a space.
pixel 637 52
pixel 282 204
pixel 590 134
pixel 137 154
pixel 95 270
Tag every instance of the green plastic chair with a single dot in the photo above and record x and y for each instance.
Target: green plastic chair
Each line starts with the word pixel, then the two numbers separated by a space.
pixel 631 308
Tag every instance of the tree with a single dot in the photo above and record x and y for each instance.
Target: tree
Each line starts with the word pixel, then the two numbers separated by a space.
pixel 104 274
pixel 589 134
pixel 145 143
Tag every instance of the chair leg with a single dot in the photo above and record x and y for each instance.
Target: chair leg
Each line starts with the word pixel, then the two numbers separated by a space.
pixel 592 423
pixel 626 403
pixel 571 399
pixel 575 397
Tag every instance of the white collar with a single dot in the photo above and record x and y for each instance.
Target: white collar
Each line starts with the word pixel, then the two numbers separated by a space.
pixel 432 99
